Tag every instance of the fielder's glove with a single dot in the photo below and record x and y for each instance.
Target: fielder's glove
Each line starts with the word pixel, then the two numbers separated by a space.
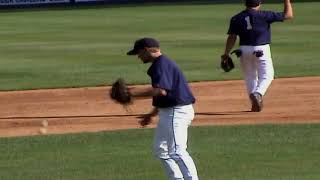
pixel 120 92
pixel 226 63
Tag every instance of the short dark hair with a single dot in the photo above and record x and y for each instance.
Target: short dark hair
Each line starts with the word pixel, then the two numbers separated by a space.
pixel 253 3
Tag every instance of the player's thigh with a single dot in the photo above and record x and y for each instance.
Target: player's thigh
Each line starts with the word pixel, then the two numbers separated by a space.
pixel 162 132
pixel 180 121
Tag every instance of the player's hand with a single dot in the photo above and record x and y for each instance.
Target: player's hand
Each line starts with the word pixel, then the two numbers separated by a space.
pixel 145 119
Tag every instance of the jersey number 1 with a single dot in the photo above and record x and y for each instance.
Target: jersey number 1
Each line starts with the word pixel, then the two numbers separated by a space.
pixel 249 26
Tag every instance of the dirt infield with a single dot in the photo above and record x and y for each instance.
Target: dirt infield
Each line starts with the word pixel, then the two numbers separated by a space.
pixel 289 100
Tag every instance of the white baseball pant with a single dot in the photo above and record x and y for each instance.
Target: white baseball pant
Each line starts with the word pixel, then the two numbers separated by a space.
pixel 258 71
pixel 170 142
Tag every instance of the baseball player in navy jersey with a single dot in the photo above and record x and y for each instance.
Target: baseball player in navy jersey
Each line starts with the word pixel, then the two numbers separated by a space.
pixel 173 102
pixel 252 25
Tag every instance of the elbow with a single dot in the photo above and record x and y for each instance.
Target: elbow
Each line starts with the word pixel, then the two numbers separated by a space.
pixel 162 92
pixel 289 16
pixel 159 92
pixel 232 37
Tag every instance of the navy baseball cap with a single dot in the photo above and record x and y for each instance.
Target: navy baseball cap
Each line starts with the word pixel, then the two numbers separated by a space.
pixel 143 43
pixel 253 3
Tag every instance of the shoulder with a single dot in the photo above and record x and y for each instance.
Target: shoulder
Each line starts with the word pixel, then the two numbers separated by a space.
pixel 165 60
pixel 168 65
pixel 264 12
pixel 272 15
pixel 161 63
pixel 268 13
pixel 233 18
pixel 241 14
pixel 238 16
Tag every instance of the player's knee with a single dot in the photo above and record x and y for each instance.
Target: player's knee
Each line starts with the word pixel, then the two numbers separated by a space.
pixel 161 156
pixel 178 154
pixel 272 76
pixel 160 153
pixel 269 78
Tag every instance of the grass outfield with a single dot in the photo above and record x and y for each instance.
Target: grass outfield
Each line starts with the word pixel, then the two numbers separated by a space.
pixel 86 47
pixel 263 152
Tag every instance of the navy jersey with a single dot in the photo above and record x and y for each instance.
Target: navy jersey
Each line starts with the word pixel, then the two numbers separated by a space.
pixel 253 27
pixel 165 74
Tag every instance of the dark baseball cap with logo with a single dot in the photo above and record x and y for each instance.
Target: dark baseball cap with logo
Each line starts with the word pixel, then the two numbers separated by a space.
pixel 143 43
pixel 253 3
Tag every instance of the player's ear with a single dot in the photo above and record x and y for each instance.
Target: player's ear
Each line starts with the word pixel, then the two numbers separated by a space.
pixel 153 50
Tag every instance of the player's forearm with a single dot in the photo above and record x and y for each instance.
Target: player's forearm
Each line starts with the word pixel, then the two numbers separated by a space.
pixel 288 11
pixel 147 92
pixel 231 40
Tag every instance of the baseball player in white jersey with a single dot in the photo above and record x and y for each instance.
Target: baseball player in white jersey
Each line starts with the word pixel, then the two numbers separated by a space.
pixel 173 101
pixel 252 25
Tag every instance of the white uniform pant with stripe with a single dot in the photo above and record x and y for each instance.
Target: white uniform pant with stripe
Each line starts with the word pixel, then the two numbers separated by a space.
pixel 170 142
pixel 258 71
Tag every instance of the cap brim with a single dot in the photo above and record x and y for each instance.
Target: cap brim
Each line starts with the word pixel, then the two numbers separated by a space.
pixel 132 52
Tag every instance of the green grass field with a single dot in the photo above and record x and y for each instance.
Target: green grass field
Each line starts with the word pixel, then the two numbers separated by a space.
pixel 264 152
pixel 86 47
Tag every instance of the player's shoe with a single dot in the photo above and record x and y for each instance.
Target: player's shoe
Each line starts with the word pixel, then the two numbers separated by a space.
pixel 256 101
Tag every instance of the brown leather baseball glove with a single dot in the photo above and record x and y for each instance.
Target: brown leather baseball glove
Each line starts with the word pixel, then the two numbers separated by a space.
pixel 120 92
